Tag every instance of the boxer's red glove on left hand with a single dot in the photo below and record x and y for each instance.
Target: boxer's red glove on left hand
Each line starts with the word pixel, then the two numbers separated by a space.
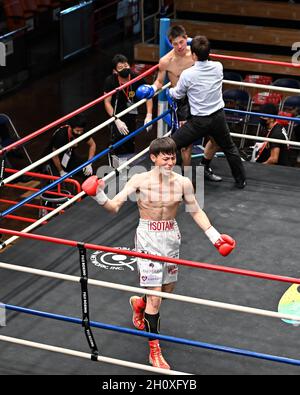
pixel 223 243
pixel 94 187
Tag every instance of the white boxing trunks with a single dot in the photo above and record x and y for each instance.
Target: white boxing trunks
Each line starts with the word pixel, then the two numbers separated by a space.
pixel 161 238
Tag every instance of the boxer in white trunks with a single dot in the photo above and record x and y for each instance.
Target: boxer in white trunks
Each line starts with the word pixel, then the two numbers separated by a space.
pixel 159 193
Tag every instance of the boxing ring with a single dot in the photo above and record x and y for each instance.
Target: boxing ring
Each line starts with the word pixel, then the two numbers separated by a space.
pixel 229 210
pixel 79 270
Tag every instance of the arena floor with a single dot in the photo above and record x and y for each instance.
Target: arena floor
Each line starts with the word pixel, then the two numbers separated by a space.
pixel 264 220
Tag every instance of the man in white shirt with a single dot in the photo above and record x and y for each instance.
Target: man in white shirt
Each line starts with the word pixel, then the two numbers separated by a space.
pixel 171 66
pixel 202 83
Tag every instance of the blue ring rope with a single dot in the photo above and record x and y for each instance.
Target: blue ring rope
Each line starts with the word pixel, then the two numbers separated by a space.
pixel 259 114
pixel 170 47
pixel 187 342
pixel 79 168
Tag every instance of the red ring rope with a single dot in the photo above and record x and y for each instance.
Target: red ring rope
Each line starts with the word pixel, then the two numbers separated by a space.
pixel 74 113
pixel 199 265
pixel 254 60
pixel 148 72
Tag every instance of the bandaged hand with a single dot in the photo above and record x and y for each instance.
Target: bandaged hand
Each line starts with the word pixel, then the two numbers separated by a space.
pixel 122 127
pixel 88 170
pixel 62 173
pixel 147 120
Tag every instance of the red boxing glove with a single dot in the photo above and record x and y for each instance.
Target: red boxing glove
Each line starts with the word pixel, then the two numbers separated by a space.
pixel 93 187
pixel 223 243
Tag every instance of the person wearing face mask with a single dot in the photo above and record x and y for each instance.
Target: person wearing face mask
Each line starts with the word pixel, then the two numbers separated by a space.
pixel 271 153
pixel 69 160
pixel 121 101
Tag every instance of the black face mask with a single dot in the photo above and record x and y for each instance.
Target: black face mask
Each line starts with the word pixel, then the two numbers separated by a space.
pixel 263 123
pixel 125 73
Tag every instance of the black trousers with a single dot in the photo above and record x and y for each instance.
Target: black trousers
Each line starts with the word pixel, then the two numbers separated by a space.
pixel 213 125
pixel 183 109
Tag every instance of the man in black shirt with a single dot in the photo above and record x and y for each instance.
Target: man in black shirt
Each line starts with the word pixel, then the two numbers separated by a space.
pixel 121 101
pixel 69 160
pixel 272 153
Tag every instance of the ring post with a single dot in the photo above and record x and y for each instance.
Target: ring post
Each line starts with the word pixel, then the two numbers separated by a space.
pixel 163 50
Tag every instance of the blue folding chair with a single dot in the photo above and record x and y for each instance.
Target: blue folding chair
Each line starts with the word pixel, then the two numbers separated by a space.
pixel 287 83
pixel 291 102
pixel 237 99
pixel 232 76
pixel 292 105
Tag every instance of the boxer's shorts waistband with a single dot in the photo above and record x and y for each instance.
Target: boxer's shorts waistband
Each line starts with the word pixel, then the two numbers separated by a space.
pixel 158 226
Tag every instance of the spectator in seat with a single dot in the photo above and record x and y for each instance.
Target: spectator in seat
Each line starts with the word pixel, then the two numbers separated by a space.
pixel 69 160
pixel 272 153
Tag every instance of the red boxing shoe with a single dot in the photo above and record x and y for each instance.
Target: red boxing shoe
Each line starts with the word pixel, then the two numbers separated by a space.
pixel 138 306
pixel 155 358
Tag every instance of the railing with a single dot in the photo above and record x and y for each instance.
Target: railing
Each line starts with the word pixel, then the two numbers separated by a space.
pixel 155 17
pixel 14 131
pixel 103 15
pixel 98 11
pixel 42 208
pixel 75 183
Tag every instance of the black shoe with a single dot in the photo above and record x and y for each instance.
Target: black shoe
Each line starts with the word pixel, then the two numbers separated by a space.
pixel 210 176
pixel 241 184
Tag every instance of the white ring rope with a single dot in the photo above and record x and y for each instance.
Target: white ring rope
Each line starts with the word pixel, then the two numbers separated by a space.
pixel 134 106
pixel 79 139
pixel 77 197
pixel 265 139
pixel 129 109
pixel 126 288
pixel 260 86
pixel 266 87
pixel 112 174
pixel 103 284
pixel 83 355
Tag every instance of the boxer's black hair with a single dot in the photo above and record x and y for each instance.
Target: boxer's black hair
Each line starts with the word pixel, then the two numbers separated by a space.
pixel 176 31
pixel 163 145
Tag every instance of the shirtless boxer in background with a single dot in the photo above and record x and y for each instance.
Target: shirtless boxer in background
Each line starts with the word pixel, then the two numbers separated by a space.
pixel 171 66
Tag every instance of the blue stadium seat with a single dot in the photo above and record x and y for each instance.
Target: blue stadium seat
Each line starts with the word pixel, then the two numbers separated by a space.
pixel 232 76
pixel 237 99
pixel 237 95
pixel 291 102
pixel 292 105
pixel 287 83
